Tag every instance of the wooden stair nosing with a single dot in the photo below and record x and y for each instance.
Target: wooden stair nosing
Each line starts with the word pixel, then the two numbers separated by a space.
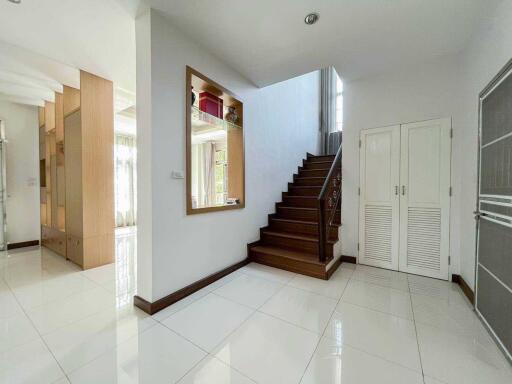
pixel 301 237
pixel 273 216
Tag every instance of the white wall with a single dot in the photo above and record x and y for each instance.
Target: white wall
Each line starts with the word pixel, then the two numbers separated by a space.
pixel 22 134
pixel 446 87
pixel 281 125
pixel 423 92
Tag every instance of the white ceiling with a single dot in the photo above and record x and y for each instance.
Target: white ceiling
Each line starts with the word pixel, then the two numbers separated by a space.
pixel 44 43
pixel 267 40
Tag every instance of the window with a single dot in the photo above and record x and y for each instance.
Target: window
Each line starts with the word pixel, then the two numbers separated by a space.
pixel 221 191
pixel 125 157
pixel 339 104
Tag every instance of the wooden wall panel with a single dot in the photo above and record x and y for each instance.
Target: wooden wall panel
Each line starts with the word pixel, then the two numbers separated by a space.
pixel 49 116
pixel 71 100
pixel 236 164
pixel 97 111
pixel 41 116
pixel 73 174
pixel 59 117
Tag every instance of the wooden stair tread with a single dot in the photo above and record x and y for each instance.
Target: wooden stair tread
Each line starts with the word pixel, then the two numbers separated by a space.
pixel 319 178
pixel 288 235
pixel 289 254
pixel 302 208
pixel 294 221
pixel 297 221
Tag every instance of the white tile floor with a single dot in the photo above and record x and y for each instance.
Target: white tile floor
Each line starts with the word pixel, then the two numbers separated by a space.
pixel 257 325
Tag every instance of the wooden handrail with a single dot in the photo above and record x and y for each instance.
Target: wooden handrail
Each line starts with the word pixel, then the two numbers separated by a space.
pixel 332 186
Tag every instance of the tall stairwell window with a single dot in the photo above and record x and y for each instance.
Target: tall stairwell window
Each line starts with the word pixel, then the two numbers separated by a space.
pixel 331 105
pixel 339 104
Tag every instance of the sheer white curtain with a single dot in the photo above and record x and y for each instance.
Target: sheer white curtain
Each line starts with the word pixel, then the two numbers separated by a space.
pixel 125 155
pixel 203 175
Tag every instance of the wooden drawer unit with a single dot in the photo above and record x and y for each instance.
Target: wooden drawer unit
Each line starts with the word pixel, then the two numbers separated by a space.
pixel 54 239
pixel 75 249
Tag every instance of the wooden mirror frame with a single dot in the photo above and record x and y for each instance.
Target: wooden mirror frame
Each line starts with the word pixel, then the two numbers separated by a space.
pixel 229 98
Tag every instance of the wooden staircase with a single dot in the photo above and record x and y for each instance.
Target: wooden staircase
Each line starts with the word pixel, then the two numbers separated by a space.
pixel 301 235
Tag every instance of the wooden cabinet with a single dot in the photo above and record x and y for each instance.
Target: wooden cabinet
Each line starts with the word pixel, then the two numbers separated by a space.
pixel 77 172
pixel 75 249
pixel 54 239
pixel 89 171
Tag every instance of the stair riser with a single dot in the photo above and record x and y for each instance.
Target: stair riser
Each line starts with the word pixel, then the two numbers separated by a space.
pixel 300 245
pixel 289 265
pixel 313 172
pixel 300 202
pixel 308 165
pixel 308 191
pixel 297 214
pixel 321 158
pixel 295 228
pixel 308 182
pixel 299 228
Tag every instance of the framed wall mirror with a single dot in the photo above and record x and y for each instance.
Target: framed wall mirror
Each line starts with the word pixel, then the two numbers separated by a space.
pixel 215 146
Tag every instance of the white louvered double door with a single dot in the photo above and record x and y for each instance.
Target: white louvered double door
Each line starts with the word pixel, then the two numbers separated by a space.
pixel 405 197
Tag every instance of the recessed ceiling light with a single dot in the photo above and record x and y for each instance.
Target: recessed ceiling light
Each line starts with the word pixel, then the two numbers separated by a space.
pixel 312 18
pixel 15 1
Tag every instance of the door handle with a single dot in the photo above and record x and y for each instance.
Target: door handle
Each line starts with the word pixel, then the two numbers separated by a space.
pixel 396 190
pixel 403 190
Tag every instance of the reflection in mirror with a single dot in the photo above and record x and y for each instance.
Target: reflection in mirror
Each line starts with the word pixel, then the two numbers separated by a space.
pixel 215 146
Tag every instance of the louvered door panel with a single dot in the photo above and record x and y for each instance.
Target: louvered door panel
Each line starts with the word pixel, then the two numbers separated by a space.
pixel 378 234
pixel 425 199
pixel 379 209
pixel 424 238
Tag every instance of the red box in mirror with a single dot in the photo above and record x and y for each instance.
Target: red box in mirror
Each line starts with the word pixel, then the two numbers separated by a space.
pixel 211 104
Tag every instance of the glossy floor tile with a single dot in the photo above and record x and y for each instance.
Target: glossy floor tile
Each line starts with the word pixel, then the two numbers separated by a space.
pixel 83 341
pixel 454 358
pixel 157 356
pixel 207 321
pixel 269 350
pixel 249 290
pixel 61 325
pixel 332 288
pixel 268 273
pixel 29 363
pixel 337 363
pixel 212 371
pixel 381 277
pixel 389 337
pixel 16 330
pixel 384 299
pixel 304 309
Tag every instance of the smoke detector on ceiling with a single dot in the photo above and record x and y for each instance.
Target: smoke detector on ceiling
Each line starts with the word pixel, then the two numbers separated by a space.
pixel 311 18
pixel 15 1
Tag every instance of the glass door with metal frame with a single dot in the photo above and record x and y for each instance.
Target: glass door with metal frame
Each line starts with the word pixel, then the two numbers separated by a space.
pixel 494 210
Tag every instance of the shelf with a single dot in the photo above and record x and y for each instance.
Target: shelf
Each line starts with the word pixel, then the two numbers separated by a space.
pixel 207 122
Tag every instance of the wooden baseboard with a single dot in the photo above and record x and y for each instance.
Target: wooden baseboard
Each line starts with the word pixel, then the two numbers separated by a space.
pixel 164 302
pixel 349 259
pixel 23 244
pixel 334 267
pixel 465 288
